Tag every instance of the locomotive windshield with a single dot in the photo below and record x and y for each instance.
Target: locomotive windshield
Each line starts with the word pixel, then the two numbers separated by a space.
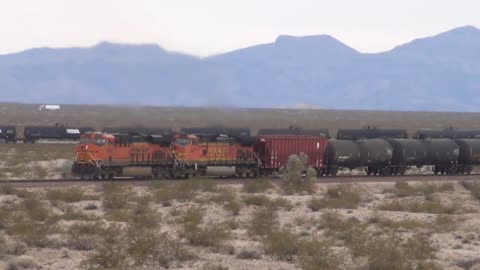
pixel 183 142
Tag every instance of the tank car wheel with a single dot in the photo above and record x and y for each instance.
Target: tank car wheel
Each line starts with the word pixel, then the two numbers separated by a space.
pixel 111 176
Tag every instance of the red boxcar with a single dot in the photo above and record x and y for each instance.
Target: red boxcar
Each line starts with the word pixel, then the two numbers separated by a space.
pixel 273 151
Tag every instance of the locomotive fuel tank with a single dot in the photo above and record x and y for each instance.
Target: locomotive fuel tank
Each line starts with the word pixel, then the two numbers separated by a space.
pixel 375 152
pixel 469 151
pixel 344 153
pixel 441 151
pixel 408 152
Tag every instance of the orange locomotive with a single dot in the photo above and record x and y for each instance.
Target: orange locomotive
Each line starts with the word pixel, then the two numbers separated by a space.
pixel 101 155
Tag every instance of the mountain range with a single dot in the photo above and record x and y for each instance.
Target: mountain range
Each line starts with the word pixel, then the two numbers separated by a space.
pixel 438 73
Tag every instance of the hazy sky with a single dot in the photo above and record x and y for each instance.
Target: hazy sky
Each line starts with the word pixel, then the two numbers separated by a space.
pixel 204 27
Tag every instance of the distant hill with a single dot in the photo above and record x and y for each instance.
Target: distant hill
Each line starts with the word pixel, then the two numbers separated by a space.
pixel 440 73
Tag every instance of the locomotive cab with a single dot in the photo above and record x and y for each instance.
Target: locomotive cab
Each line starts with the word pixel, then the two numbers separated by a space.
pixel 90 152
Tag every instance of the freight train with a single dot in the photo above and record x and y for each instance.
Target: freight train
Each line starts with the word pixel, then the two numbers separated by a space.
pixel 58 132
pixel 189 153
pixel 31 134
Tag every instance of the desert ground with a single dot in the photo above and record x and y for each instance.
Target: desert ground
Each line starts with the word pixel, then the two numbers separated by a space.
pixel 257 224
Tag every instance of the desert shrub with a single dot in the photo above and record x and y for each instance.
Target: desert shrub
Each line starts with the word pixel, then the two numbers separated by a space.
pixel 73 214
pixel 426 206
pixel 473 187
pixel 210 235
pixel 36 209
pixel 257 186
pixel 142 244
pixel 90 206
pixel 342 196
pixel 295 182
pixel 349 230
pixel 170 250
pixel 282 244
pixel 83 236
pixel 201 235
pixel 264 201
pixel 143 215
pixel 228 199
pixel 21 262
pixel 24 193
pixel 281 203
pixel 316 254
pixel 115 196
pixel 444 223
pixel 70 195
pixel 33 233
pixel 409 224
pixel 232 223
pixel 7 189
pixel 263 221
pixel 403 189
pixel 257 200
pixel 249 254
pixel 134 246
pixel 392 252
pixel 11 247
pixel 163 196
pixel 211 266
pixel 110 251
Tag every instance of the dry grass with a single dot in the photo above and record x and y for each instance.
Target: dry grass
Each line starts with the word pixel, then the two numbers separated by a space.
pixel 70 195
pixel 403 189
pixel 263 221
pixel 426 206
pixel 342 196
pixel 198 234
pixel 257 186
pixel 473 187
pixel 282 244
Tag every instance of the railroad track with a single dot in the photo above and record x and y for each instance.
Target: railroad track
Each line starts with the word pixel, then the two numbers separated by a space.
pixel 53 183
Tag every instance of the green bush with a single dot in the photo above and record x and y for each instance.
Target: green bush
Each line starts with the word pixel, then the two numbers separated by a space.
pixel 293 174
pixel 282 244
